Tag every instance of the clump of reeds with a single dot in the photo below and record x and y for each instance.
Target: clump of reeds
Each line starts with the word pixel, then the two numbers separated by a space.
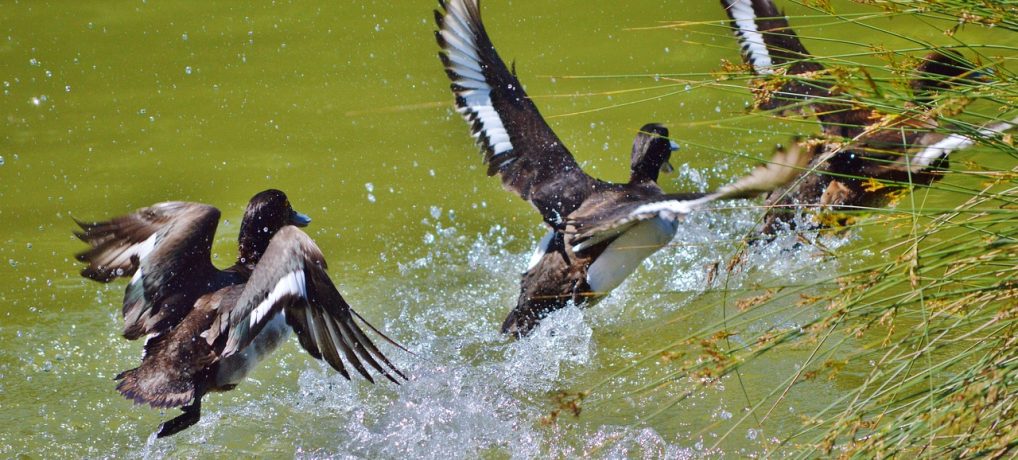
pixel 925 308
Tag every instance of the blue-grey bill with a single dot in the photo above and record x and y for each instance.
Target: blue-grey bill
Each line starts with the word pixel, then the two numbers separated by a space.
pixel 667 167
pixel 300 220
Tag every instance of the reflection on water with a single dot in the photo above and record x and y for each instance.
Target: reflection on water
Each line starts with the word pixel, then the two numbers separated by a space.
pixel 111 106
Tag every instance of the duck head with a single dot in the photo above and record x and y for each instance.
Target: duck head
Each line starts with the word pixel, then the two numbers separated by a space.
pixel 651 151
pixel 266 213
pixel 942 70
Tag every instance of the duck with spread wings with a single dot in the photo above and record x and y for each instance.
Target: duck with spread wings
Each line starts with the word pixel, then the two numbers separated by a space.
pixel 862 144
pixel 531 161
pixel 207 328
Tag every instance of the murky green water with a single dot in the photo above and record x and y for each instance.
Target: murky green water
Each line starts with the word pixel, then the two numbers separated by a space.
pixel 110 106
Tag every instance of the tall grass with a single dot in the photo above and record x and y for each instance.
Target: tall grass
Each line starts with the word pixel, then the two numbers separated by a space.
pixel 920 327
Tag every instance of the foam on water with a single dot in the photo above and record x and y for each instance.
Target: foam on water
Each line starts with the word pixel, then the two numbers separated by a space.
pixel 472 391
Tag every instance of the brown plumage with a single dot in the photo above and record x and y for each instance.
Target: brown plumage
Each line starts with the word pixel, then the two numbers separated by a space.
pixel 223 322
pixel 871 146
pixel 531 161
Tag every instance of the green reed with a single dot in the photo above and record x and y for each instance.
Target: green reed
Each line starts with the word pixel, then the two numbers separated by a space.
pixel 919 326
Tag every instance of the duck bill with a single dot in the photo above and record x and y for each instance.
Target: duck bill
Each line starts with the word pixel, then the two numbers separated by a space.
pixel 982 76
pixel 667 167
pixel 300 220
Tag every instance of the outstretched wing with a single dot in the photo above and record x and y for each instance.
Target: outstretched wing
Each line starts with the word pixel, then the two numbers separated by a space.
pixel 518 144
pixel 934 147
pixel 766 39
pixel 291 279
pixel 166 248
pixel 785 166
pixel 770 46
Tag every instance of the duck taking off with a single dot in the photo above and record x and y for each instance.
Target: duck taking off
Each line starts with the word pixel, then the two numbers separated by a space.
pixel 532 162
pixel 207 328
pixel 862 145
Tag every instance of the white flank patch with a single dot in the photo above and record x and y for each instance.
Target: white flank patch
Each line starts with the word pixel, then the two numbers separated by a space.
pixel 754 49
pixel 542 249
pixel 625 254
pixel 234 368
pixel 290 284
pixel 464 60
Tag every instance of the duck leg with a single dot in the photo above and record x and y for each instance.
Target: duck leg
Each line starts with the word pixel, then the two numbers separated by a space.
pixel 191 415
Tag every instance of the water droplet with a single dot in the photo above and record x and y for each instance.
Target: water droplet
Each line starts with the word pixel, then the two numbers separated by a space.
pixel 717 109
pixel 187 70
pixel 183 36
pixel 1 160
pixel 370 187
pixel 436 212
pixel 371 198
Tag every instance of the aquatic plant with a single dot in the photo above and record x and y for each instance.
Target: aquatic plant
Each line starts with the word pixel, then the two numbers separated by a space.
pixel 913 341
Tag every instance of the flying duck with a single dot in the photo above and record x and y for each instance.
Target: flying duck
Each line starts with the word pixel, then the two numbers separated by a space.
pixel 521 148
pixel 863 146
pixel 207 328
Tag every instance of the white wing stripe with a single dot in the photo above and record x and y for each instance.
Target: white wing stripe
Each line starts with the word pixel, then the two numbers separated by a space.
pixel 464 61
pixel 939 150
pixel 754 49
pixel 949 144
pixel 290 284
pixel 669 209
pixel 141 250
pixel 457 42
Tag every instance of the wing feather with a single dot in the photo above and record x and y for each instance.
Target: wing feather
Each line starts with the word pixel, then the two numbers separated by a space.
pixel 784 167
pixel 517 142
pixel 291 279
pixel 166 249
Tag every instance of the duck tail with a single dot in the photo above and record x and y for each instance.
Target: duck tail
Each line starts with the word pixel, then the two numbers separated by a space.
pixel 168 374
pixel 139 386
pixel 520 322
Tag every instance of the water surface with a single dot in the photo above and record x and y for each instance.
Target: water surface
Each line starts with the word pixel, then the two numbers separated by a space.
pixel 110 106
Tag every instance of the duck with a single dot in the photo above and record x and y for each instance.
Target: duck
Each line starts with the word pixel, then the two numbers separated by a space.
pixel 866 158
pixel 205 329
pixel 532 162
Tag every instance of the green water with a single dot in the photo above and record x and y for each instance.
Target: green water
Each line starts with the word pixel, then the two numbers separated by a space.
pixel 111 106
